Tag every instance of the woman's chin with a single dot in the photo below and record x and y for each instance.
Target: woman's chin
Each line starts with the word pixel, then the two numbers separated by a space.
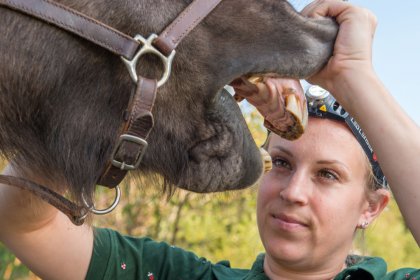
pixel 287 252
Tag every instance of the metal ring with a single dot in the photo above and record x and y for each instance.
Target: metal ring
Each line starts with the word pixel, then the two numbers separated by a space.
pixel 107 210
pixel 149 48
pixel 79 220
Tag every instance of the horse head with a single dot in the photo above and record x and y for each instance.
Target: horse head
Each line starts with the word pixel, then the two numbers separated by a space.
pixel 62 97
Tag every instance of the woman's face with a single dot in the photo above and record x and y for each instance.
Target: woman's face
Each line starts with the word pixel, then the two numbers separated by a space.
pixel 311 202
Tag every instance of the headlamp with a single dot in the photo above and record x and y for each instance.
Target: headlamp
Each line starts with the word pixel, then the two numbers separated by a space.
pixel 322 104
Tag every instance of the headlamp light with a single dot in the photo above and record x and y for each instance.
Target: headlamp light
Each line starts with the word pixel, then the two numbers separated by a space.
pixel 322 104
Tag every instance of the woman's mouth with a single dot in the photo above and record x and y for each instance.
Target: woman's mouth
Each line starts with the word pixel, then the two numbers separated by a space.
pixel 288 223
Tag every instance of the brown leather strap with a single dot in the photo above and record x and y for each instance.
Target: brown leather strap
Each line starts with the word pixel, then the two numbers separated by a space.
pixel 132 141
pixel 75 213
pixel 104 35
pixel 77 23
pixel 169 39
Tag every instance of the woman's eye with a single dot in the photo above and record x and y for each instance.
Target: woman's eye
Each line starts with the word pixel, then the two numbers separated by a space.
pixel 328 174
pixel 279 162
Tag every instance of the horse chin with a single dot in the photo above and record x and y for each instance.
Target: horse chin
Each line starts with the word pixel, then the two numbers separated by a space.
pixel 227 158
pixel 220 172
pixel 214 174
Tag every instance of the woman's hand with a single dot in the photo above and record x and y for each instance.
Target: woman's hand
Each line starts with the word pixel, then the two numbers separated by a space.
pixel 353 46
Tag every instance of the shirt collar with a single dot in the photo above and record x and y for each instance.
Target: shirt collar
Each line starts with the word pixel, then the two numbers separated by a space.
pixel 366 268
pixel 257 270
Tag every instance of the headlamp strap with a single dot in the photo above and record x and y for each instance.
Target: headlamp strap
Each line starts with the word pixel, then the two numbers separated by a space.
pixel 364 142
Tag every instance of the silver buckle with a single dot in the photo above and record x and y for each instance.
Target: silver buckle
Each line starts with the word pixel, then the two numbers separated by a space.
pixel 134 139
pixel 149 48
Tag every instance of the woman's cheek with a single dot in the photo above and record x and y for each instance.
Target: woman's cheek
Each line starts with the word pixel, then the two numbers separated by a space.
pixel 266 187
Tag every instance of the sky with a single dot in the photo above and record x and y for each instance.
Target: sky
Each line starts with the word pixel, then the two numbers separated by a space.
pixel 396 49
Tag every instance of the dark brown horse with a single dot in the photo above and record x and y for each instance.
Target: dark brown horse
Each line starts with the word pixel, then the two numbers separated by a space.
pixel 62 98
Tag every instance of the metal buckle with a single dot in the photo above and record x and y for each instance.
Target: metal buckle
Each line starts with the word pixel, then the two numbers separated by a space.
pixel 149 48
pixel 134 139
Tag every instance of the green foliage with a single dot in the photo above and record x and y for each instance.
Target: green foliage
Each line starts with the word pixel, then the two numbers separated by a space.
pixel 11 268
pixel 389 238
pixel 218 226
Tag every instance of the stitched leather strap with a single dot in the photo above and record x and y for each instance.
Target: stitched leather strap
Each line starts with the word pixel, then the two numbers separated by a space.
pixel 75 213
pixel 169 39
pixel 77 23
pixel 128 153
pixel 104 35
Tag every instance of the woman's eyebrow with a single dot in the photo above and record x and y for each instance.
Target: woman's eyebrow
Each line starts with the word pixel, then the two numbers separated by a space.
pixel 282 149
pixel 333 161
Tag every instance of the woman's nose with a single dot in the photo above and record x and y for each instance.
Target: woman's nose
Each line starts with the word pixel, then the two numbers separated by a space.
pixel 297 188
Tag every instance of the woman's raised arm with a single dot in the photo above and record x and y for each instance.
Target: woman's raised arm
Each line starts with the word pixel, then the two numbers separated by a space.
pixel 43 238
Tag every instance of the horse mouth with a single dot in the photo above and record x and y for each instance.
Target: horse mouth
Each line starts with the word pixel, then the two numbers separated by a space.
pixel 280 101
pixel 223 155
pixel 219 161
pixel 228 159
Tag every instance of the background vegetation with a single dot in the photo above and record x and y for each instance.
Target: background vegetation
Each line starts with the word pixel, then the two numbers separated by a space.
pixel 219 226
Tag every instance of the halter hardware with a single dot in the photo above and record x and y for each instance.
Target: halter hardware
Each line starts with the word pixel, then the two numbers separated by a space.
pixel 139 156
pixel 145 49
pixel 106 210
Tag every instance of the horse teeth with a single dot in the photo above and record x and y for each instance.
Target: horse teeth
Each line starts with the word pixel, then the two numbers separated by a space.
pixel 266 158
pixel 293 107
pixel 305 115
pixel 255 79
pixel 291 125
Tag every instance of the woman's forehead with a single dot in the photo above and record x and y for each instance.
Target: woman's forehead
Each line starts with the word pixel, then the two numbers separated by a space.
pixel 326 137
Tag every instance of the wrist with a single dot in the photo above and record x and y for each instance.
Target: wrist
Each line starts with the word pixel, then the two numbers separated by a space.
pixel 350 86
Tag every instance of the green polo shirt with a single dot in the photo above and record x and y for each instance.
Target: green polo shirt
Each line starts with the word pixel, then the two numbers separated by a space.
pixel 122 257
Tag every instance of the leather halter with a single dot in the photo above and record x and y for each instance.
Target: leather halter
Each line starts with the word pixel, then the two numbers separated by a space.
pixel 138 118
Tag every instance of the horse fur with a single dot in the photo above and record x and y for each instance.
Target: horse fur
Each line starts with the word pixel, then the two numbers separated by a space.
pixel 62 98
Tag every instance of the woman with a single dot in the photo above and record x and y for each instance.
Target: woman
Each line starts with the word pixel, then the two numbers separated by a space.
pixel 313 200
pixel 309 205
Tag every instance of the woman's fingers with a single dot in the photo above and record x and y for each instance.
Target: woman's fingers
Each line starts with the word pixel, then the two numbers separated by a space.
pixel 325 8
pixel 353 45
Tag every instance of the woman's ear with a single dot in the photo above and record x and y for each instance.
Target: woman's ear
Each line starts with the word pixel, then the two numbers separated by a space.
pixel 376 203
